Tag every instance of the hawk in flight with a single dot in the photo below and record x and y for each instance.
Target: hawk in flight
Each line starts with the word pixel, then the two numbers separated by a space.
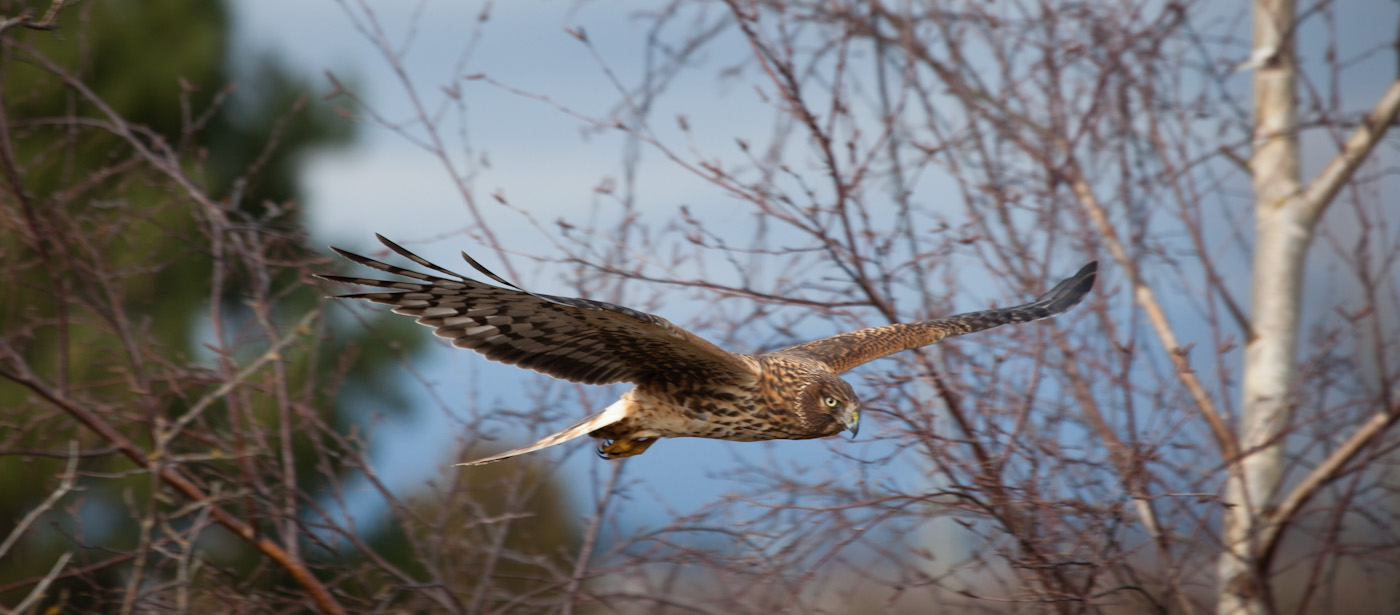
pixel 685 386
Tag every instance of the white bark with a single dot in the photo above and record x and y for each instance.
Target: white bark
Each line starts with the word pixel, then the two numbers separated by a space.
pixel 1283 230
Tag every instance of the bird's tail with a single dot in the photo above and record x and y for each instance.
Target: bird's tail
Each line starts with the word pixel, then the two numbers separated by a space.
pixel 612 414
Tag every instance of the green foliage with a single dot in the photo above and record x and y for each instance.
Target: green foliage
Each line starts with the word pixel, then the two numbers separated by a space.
pixel 137 296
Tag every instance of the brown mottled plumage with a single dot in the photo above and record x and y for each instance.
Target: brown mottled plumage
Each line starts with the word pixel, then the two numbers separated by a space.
pixel 686 386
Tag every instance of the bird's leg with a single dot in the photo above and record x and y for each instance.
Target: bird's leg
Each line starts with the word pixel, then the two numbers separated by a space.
pixel 625 447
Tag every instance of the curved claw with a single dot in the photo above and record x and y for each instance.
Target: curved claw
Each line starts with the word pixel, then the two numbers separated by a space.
pixel 617 449
pixel 603 447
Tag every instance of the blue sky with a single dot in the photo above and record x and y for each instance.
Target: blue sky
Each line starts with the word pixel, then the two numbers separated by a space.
pixel 550 163
pixel 541 158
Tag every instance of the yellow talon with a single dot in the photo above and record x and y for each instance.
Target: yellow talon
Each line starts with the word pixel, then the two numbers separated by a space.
pixel 618 449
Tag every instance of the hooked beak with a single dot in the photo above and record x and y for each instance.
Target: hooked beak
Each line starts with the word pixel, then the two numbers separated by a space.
pixel 853 423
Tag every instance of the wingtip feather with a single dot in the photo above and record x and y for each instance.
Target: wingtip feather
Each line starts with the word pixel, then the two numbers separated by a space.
pixel 490 274
pixel 1070 291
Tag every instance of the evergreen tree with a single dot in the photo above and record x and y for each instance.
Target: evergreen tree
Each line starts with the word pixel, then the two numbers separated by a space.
pixel 136 293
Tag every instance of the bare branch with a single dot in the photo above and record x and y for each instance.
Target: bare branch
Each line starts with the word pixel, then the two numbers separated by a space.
pixel 1322 190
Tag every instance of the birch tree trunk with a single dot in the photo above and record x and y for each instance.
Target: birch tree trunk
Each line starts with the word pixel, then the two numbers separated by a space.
pixel 1282 235
pixel 1285 220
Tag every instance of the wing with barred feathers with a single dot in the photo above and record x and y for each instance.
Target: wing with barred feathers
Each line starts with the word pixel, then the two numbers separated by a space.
pixel 846 351
pixel 579 340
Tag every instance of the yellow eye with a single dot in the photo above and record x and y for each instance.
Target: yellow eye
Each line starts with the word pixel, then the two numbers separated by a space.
pixel 831 401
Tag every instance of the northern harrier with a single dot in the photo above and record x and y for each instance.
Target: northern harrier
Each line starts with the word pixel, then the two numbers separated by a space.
pixel 686 386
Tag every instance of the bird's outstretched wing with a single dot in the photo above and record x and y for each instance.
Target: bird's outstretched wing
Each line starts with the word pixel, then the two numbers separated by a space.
pixel 575 339
pixel 845 351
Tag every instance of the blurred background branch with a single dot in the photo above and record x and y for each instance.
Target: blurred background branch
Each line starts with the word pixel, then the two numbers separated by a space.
pixel 187 428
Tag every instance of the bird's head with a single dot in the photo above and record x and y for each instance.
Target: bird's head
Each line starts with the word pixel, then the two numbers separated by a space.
pixel 829 406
